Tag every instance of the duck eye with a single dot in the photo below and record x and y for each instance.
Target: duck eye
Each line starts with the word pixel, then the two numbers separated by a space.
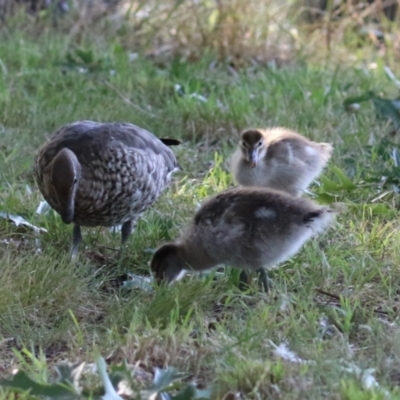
pixel 259 143
pixel 244 144
pixel 75 180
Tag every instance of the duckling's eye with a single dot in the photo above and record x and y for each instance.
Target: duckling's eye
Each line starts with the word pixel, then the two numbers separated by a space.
pixel 244 144
pixel 259 143
pixel 75 180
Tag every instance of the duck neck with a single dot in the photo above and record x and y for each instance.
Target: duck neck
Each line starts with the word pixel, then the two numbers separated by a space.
pixel 195 257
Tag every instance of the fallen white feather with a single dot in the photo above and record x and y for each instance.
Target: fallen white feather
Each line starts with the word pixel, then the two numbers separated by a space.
pixel 43 207
pixel 138 281
pixel 198 97
pixel 18 220
pixel 366 377
pixel 282 351
pixel 285 303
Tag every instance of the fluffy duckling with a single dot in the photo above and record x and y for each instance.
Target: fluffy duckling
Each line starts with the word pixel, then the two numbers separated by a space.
pixel 246 228
pixel 103 174
pixel 278 158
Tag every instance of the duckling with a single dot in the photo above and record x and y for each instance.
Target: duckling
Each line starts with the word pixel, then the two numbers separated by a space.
pixel 103 174
pixel 278 158
pixel 246 228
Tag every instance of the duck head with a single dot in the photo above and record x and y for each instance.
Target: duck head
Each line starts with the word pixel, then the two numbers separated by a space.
pixel 252 146
pixel 167 263
pixel 65 176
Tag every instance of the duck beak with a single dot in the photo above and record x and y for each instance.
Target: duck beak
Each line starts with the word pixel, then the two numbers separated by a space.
pixel 65 175
pixel 67 210
pixel 66 201
pixel 252 158
pixel 68 216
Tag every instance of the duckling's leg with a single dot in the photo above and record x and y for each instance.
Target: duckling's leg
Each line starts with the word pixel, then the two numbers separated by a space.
pixel 76 240
pixel 244 281
pixel 263 279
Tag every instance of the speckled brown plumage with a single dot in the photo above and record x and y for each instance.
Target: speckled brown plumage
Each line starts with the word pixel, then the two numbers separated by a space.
pixel 121 170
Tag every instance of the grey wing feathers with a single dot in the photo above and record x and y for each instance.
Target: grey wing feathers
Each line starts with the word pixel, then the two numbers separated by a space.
pixel 242 205
pixel 83 135
pixel 231 203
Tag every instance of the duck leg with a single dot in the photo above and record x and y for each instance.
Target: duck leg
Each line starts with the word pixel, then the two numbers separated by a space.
pixel 126 230
pixel 244 280
pixel 76 240
pixel 262 278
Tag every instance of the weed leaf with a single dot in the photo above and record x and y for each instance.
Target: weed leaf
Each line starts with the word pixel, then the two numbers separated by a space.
pixel 190 392
pixel 110 394
pixel 164 378
pixel 138 281
pixel 346 183
pixel 22 382
pixel 358 99
pixel 387 108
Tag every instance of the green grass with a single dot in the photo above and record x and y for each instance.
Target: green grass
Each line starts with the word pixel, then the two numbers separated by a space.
pixel 203 326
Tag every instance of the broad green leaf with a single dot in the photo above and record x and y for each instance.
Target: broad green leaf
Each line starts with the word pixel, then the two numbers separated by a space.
pixel 138 281
pixel 190 392
pixel 385 108
pixel 388 108
pixel 376 209
pixel 358 99
pixel 85 55
pixel 328 185
pixel 164 378
pixel 325 198
pixel 344 180
pixel 110 394
pixel 22 382
pixel 69 374
pixel 381 209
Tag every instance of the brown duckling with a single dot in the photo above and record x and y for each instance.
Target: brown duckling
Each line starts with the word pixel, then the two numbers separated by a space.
pixel 278 158
pixel 103 174
pixel 246 228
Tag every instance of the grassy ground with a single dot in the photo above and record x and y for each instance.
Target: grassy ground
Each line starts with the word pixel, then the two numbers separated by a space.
pixel 203 326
